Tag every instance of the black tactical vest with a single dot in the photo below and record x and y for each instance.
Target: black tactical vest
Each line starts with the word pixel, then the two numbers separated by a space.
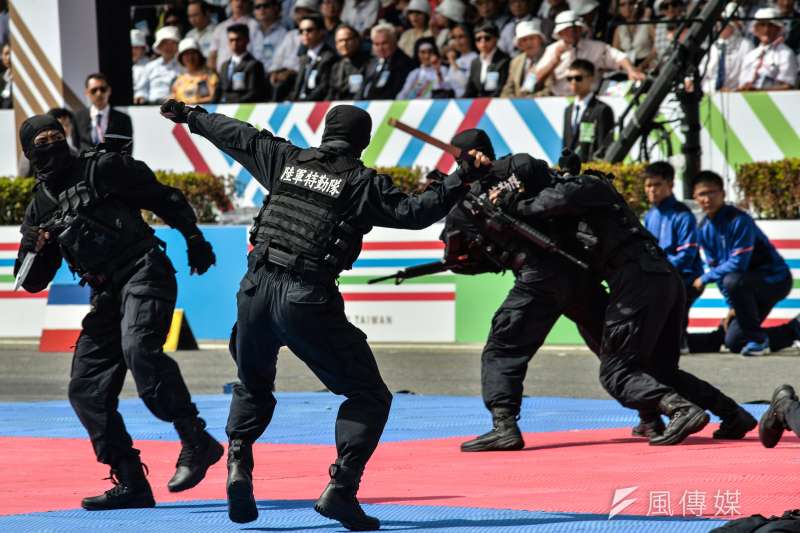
pixel 97 233
pixel 301 226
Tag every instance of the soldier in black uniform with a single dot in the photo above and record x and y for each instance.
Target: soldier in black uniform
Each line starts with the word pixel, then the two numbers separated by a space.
pixel 87 210
pixel 321 203
pixel 640 342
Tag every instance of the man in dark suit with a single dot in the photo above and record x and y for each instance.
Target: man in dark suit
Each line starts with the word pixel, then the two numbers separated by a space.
pixel 314 77
pixel 588 122
pixel 347 74
pixel 489 71
pixel 100 119
pixel 389 66
pixel 242 77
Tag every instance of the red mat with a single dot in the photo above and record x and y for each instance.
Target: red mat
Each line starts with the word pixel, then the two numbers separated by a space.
pixel 575 471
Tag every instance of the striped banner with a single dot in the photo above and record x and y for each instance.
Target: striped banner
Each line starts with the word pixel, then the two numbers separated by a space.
pixel 22 311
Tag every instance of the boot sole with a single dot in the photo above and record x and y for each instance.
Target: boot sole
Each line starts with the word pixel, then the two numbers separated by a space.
pixel 241 503
pixel 213 455
pixel 321 509
pixel 507 445
pixel 697 423
pixel 133 505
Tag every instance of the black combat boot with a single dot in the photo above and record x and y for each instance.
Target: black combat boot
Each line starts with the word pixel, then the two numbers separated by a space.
pixel 685 418
pixel 736 425
pixel 199 451
pixel 504 435
pixel 338 500
pixel 241 502
pixel 773 423
pixel 650 426
pixel 130 491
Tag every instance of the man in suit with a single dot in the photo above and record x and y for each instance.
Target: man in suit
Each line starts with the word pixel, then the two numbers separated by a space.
pixel 100 119
pixel 588 122
pixel 489 71
pixel 313 80
pixel 242 77
pixel 522 80
pixel 347 74
pixel 389 66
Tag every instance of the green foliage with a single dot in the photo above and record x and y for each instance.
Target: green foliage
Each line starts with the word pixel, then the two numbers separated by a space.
pixel 771 189
pixel 628 181
pixel 14 197
pixel 407 179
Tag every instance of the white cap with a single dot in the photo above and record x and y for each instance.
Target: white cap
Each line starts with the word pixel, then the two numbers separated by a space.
pixel 526 28
pixel 766 13
pixel 566 19
pixel 167 33
pixel 583 7
pixel 419 5
pixel 454 10
pixel 311 5
pixel 187 44
pixel 733 10
pixel 138 38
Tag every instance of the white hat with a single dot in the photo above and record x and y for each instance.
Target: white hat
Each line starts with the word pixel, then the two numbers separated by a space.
pixel 660 3
pixel 733 10
pixel 566 19
pixel 454 10
pixel 187 44
pixel 583 7
pixel 766 13
pixel 167 33
pixel 526 28
pixel 311 5
pixel 421 6
pixel 138 38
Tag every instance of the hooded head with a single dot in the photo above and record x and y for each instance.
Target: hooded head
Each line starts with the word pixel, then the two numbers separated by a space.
pixel 50 159
pixel 474 139
pixel 350 125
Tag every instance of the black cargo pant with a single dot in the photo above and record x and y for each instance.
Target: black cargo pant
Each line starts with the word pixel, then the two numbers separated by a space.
pixel 276 308
pixel 640 349
pixel 126 329
pixel 538 298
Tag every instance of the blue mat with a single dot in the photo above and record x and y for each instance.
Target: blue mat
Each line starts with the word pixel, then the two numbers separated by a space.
pixel 308 418
pixel 298 516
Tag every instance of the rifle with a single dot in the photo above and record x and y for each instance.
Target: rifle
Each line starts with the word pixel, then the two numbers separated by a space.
pixel 487 209
pixel 424 269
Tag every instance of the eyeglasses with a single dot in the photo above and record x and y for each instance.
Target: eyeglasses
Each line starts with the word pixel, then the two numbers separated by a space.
pixel 306 30
pixel 264 6
pixel 577 79
pixel 101 89
pixel 480 38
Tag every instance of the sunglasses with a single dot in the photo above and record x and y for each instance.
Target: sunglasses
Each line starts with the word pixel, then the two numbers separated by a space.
pixel 306 30
pixel 264 6
pixel 101 89
pixel 575 78
pixel 480 38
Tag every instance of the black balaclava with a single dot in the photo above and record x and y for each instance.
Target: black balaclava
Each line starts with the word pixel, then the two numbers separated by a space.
pixel 49 161
pixel 350 125
pixel 474 139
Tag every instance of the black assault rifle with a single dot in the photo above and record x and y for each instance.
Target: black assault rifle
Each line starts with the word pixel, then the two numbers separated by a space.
pixel 424 269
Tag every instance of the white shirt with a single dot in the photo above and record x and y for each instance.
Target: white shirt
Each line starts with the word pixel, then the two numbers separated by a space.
pixel 264 43
pixel 360 15
pixel 458 74
pixel 422 81
pixel 138 70
pixel 736 48
pixel 485 62
pixel 156 81
pixel 579 109
pixel 778 65
pixel 103 124
pixel 204 38
pixel 219 42
pixel 286 54
pixel 603 56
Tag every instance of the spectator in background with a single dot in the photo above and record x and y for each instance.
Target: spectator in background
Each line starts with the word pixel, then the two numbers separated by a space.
pixel 139 57
pixel 220 51
pixel 389 66
pixel 492 11
pixel 158 75
pixel 635 40
pixel 489 71
pixel 269 33
pixel 172 16
pixel 446 16
pixel 771 65
pixel 418 13
pixel 314 76
pixel 668 11
pixel 588 11
pixel 429 80
pixel 67 121
pixel 460 55
pixel 548 11
pixel 347 75
pixel 588 122
pixel 724 60
pixel 100 119
pixel 6 100
pixel 331 11
pixel 202 29
pixel 520 10
pixel 286 61
pixel 791 26
pixel 198 84
pixel 559 56
pixel 522 69
pixel 361 14
pixel 242 76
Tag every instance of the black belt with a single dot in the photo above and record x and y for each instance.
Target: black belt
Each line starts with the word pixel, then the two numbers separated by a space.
pixel 298 265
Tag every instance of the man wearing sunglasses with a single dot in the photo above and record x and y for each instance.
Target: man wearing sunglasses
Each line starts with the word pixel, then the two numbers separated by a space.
pixel 489 71
pixel 100 119
pixel 588 122
pixel 314 77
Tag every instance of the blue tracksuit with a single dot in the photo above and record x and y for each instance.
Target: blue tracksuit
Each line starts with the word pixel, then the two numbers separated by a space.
pixel 674 226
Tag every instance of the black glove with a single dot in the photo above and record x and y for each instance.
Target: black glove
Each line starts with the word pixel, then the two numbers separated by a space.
pixel 201 255
pixel 569 162
pixel 178 112
pixel 30 237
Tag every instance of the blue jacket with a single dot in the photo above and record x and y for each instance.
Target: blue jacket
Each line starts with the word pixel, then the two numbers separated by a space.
pixel 674 226
pixel 732 242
